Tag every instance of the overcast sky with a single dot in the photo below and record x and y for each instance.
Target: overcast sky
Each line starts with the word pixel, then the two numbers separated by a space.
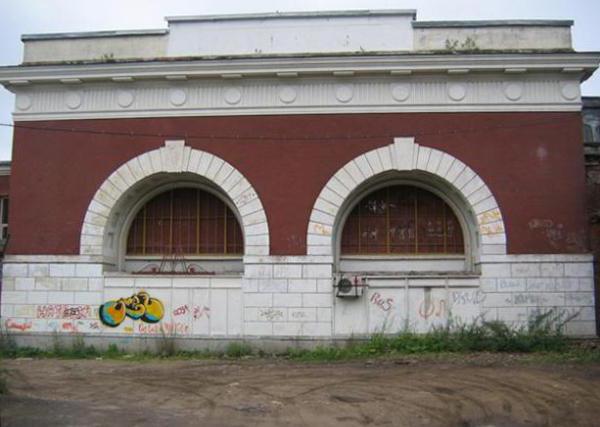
pixel 47 16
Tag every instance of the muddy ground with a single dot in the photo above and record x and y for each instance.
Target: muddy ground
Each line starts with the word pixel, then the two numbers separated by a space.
pixel 476 391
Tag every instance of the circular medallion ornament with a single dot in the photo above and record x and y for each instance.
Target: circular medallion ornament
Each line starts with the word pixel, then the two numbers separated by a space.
pixel 457 91
pixel 23 102
pixel 73 100
pixel 513 91
pixel 125 98
pixel 287 94
pixel 233 95
pixel 569 91
pixel 401 91
pixel 344 93
pixel 178 97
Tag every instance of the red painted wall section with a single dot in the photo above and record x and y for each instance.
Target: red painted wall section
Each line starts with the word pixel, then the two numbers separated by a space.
pixel 4 184
pixel 532 162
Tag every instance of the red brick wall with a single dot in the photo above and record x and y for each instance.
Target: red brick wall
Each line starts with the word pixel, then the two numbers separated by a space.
pixel 4 182
pixel 532 162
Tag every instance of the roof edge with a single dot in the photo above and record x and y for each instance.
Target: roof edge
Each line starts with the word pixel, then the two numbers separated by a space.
pixel 495 23
pixel 292 15
pixel 92 34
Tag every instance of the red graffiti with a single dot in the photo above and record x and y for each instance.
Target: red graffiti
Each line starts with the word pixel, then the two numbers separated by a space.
pixel 171 328
pixel 434 308
pixel 21 326
pixel 181 310
pixel 63 311
pixel 383 304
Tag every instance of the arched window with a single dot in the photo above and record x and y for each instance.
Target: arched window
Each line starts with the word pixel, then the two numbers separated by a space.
pixel 402 220
pixel 187 222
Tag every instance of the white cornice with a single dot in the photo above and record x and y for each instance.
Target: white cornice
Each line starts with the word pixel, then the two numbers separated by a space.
pixel 299 95
pixel 302 65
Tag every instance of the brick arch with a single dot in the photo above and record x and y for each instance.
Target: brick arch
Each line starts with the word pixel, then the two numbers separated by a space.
pixel 174 158
pixel 405 155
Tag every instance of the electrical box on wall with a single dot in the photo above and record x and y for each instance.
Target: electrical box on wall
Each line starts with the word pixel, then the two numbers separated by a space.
pixel 349 286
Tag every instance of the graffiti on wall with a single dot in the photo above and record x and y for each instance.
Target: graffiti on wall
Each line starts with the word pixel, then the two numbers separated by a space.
pixel 140 306
pixel 384 304
pixel 63 311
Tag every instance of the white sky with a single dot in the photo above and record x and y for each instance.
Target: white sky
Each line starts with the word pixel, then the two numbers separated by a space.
pixel 46 16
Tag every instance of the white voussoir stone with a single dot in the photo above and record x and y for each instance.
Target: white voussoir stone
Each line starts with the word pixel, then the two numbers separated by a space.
pixel 339 188
pixel 374 162
pixel 423 158
pixel 362 163
pixel 214 168
pixel 386 156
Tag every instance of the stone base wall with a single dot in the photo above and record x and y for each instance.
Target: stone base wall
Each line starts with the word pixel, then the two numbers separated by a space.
pixel 281 298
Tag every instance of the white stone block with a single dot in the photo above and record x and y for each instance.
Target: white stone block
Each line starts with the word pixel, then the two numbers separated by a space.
pixel 153 282
pixel 73 284
pixel 326 207
pixel 355 171
pixel 223 174
pixel 24 283
pixel 324 314
pixel 568 284
pixel 339 188
pixel 464 178
pixel 214 168
pixel 290 329
pixel 423 158
pixel 494 239
pixel 257 229
pixel 95 219
pixel 47 283
pixel 495 270
pixel 287 300
pixel 258 300
pixel 14 297
pixel 512 314
pixel 14 270
pixel 324 285
pixel 119 282
pixel 6 310
pixel 321 218
pixel 482 193
pixel 474 184
pixel 88 270
pixel 234 312
pixel 579 270
pixel 38 270
pixel 317 300
pixel 191 282
pixel 251 314
pixel 386 157
pixel 62 270
pixel 586 284
pixel 541 285
pixel 318 240
pixel 455 170
pixel 374 163
pixel 302 314
pixel 8 284
pixel 525 270
pixel 263 329
pixel 331 197
pixel 262 240
pixel 258 270
pixel 316 329
pixel 579 299
pixel 136 170
pixel 317 271
pixel 89 298
pixel 250 207
pixel 271 285
pixel 107 198
pixel 402 153
pixel 239 187
pixel 511 285
pixel 319 250
pixel 493 299
pixel 37 297
pixel 225 282
pixel 434 161
pixel 581 329
pixel 552 269
pixel 302 285
pixel 287 270
pixel 61 297
pixel 98 208
pixel 218 312
pixel 488 204
pixel 363 165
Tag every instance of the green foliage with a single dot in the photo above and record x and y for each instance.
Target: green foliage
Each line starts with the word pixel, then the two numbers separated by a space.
pixel 237 350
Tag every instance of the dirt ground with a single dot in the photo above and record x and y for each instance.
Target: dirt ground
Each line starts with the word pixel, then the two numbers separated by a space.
pixel 479 391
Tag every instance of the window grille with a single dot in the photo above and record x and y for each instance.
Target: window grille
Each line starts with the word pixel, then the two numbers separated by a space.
pixel 186 221
pixel 402 220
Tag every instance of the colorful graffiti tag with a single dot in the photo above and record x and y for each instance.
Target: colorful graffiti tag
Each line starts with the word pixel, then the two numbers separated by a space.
pixel 139 306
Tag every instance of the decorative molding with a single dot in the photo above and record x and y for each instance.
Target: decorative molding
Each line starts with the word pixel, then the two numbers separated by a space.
pixel 405 155
pixel 175 157
pixel 317 95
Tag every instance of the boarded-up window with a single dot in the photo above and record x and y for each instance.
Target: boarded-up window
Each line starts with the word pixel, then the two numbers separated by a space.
pixel 185 221
pixel 402 220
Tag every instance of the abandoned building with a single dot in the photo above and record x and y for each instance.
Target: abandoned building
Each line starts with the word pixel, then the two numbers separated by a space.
pixel 297 177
